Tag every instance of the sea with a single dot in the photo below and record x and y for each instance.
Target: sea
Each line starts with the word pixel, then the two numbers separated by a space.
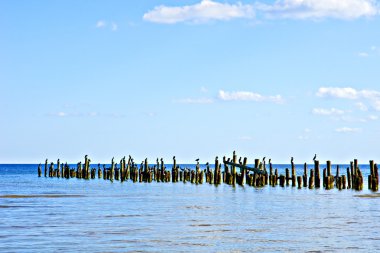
pixel 39 214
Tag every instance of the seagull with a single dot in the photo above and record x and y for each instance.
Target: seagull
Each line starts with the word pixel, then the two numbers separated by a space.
pixel 291 159
pixel 270 160
pixel 264 159
pixel 240 160
pixel 315 157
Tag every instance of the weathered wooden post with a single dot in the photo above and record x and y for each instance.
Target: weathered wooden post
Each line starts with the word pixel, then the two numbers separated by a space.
pixel 294 175
pixel 317 182
pixel 112 169
pixel 328 165
pixel 216 171
pixel 39 170
pixel 344 181
pixel 311 179
pixel 287 177
pixel 375 179
pixel 271 178
pixel 349 178
pixel 99 171
pixel 299 181
pixel 282 180
pixel 305 175
pixel 58 167
pixel 51 168
pixel 162 174
pixel 337 175
pixel 174 168
pixel 234 157
pixel 276 176
pixel 46 167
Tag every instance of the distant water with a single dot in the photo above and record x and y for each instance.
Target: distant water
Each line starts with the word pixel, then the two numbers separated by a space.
pixel 60 215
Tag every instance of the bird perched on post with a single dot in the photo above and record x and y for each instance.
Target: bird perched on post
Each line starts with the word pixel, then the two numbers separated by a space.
pixel 315 157
pixel 270 160
pixel 291 160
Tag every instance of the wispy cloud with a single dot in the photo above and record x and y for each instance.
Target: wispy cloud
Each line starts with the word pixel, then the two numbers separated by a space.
pixel 361 106
pixel 363 54
pixel 319 9
pixel 248 96
pixel 194 101
pixel 100 24
pixel 84 114
pixel 327 112
pixel 201 12
pixel 373 117
pixel 372 96
pixel 347 130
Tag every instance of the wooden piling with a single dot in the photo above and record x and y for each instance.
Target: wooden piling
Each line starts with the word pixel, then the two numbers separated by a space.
pixel 287 177
pixel 311 179
pixel 305 175
pixel 299 181
pixel 39 170
pixel 46 167
pixel 317 182
pixel 294 175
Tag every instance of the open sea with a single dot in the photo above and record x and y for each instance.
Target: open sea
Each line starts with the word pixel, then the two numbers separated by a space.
pixel 76 215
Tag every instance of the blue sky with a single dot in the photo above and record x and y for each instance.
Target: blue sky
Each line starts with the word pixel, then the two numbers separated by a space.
pixel 189 78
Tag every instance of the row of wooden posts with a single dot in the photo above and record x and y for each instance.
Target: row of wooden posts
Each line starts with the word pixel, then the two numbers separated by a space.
pixel 256 176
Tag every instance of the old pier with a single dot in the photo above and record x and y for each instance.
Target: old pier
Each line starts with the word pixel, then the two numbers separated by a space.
pixel 235 172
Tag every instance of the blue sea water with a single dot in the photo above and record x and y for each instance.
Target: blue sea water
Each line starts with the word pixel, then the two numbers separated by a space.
pixel 74 215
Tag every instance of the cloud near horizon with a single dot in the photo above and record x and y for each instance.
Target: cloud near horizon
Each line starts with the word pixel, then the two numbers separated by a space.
pixel 372 96
pixel 347 130
pixel 208 10
pixel 328 112
pixel 248 96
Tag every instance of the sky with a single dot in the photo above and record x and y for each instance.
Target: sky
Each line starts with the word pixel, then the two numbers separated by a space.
pixel 194 79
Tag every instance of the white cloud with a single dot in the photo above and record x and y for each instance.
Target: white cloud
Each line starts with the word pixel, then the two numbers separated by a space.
pixel 372 96
pixel 327 112
pixel 100 24
pixel 204 11
pixel 195 101
pixel 248 96
pixel 349 93
pixel 318 9
pixel 61 114
pixel 373 117
pixel 363 54
pixel 347 130
pixel 361 106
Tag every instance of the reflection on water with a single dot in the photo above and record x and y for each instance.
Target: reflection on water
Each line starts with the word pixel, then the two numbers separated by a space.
pixel 45 214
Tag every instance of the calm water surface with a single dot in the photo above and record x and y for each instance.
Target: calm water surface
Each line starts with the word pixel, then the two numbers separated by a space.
pixel 100 216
